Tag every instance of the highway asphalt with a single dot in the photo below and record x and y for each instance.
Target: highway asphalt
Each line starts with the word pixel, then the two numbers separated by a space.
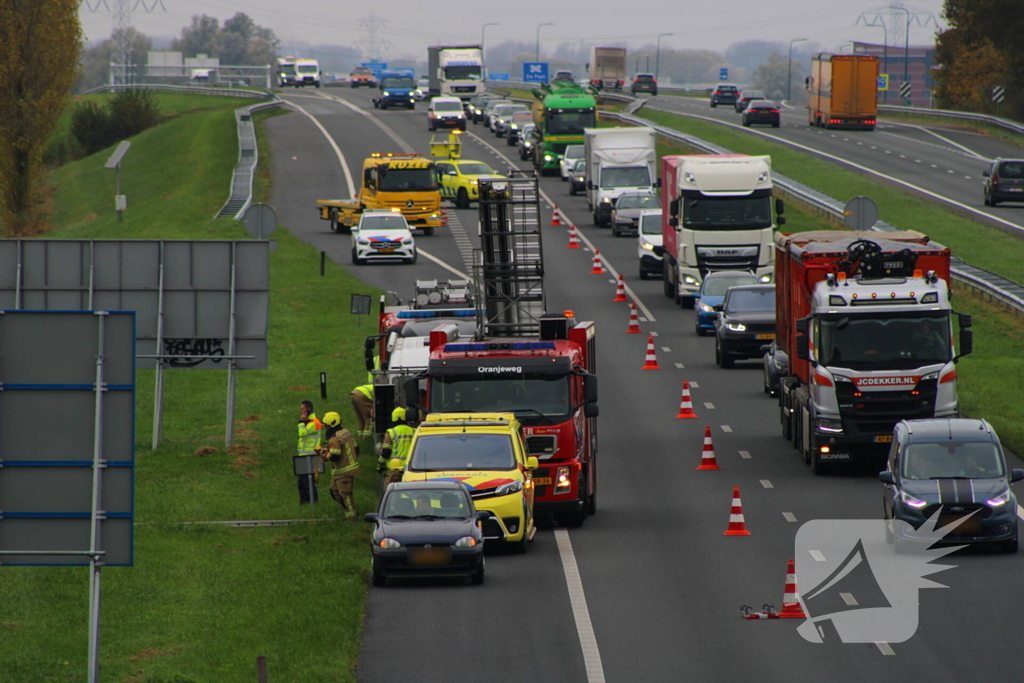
pixel 662 585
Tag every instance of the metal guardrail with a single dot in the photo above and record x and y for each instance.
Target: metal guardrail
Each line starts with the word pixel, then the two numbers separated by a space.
pixel 193 89
pixel 1005 124
pixel 248 157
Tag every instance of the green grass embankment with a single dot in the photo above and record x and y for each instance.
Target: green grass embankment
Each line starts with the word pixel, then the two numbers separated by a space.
pixel 203 601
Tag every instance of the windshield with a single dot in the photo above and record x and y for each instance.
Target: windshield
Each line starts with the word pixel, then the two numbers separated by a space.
pixel 638 201
pixel 727 89
pixel 458 73
pixel 447 106
pixel 580 167
pixel 629 176
pixel 970 460
pixel 751 301
pixel 574 152
pixel 508 109
pixel 465 451
pixel 727 213
pixel 288 68
pixel 408 179
pixel 651 224
pixel 529 394
pixel 362 71
pixel 408 504
pixel 569 121
pixel 393 82
pixel 308 68
pixel 718 286
pixel 475 168
pixel 383 222
pixel 892 339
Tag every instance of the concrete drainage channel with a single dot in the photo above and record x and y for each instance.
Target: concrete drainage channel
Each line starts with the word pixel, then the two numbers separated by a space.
pixel 993 287
pixel 248 156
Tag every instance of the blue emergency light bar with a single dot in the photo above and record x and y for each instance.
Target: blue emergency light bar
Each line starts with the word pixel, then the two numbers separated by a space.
pixel 499 346
pixel 440 313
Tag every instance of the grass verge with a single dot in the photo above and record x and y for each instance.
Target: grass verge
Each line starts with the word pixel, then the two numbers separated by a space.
pixel 203 601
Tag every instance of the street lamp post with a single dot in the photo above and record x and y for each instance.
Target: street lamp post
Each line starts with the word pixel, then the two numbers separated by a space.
pixel 657 58
pixel 548 23
pixel 483 30
pixel 906 44
pixel 789 77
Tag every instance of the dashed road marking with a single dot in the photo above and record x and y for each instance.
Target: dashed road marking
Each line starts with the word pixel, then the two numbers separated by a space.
pixel 848 599
pixel 950 171
pixel 818 557
pixel 767 484
pixel 885 648
pixel 934 165
pixel 727 429
pixel 680 366
pixel 580 612
pixel 746 456
pixel 654 334
pixel 709 405
pixel 789 516
pixel 666 349
pixel 694 385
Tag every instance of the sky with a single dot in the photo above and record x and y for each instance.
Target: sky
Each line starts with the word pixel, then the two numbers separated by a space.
pixel 414 24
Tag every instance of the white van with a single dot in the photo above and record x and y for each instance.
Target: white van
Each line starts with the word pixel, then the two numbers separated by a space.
pixel 446 112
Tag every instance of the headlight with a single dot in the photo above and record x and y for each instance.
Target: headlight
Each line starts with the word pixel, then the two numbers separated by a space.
pixel 704 307
pixel 690 280
pixel 466 542
pixel 911 501
pixel 386 94
pixel 562 481
pixel 548 157
pixel 736 327
pixel 362 242
pixel 830 424
pixel 606 200
pixel 647 246
pixel 389 543
pixel 407 240
pixel 474 182
pixel 765 279
pixel 999 500
pixel 514 126
pixel 511 487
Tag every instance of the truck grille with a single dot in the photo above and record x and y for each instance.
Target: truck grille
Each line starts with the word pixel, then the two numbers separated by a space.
pixel 878 412
pixel 542 446
pixel 464 88
pixel 727 258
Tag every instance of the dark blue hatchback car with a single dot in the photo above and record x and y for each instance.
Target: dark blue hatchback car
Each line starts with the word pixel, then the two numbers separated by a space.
pixel 712 292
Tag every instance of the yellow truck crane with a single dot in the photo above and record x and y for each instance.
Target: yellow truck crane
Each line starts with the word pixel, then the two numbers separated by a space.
pixel 401 182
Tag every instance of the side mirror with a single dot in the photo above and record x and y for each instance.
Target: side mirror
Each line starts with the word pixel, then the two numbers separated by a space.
pixel 673 222
pixel 718 307
pixel 658 183
pixel 452 173
pixel 887 478
pixel 766 348
pixel 590 184
pixel 590 388
pixel 803 347
pixel 370 517
pixel 802 325
pixel 368 351
pixel 780 206
pixel 966 342
pixel 986 174
pixel 482 515
pixel 532 463
pixel 591 410
pixel 673 207
pixel 966 320
pixel 780 220
pixel 1016 475
pixel 412 392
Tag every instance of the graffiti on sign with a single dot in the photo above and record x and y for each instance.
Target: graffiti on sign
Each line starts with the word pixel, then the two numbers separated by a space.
pixel 192 347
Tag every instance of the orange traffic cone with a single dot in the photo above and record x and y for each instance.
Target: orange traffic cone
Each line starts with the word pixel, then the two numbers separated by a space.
pixel 597 268
pixel 686 409
pixel 737 527
pixel 620 290
pixel 707 457
pixel 650 360
pixel 634 322
pixel 555 220
pixel 574 242
pixel 791 607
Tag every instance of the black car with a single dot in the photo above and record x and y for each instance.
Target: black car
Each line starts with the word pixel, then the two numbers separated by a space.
pixel 746 97
pixel 726 93
pixel 746 322
pixel 762 111
pixel 427 528
pixel 644 83
pixel 953 468
pixel 578 177
pixel 1004 181
pixel 776 366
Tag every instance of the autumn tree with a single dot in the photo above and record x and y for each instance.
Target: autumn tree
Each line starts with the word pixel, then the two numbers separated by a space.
pixel 240 41
pixel 35 38
pixel 96 60
pixel 771 77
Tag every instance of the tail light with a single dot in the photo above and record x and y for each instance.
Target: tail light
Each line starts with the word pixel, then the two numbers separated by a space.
pixel 774 111
pixel 995 179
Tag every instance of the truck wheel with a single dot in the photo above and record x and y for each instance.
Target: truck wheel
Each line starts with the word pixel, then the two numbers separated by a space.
pixel 428 231
pixel 334 221
pixel 510 141
pixel 462 199
pixel 668 287
pixel 817 466
pixel 784 420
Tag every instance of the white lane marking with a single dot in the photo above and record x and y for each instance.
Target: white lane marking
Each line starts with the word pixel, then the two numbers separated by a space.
pixel 950 171
pixel 584 627
pixel 767 484
pixel 903 156
pixel 818 557
pixel 888 152
pixel 666 349
pixel 727 429
pixel 967 177
pixel 388 130
pixel 334 145
pixel 642 319
pixel 848 599
pixel 1020 512
pixel 966 150
pixel 789 516
pixel 613 281
pixel 917 161
pixel 694 385
pixel 934 165
pixel 885 648
pixel 745 455
pixel 444 265
pixel 654 334
pixel 680 366
pixel 579 233
pixel 709 405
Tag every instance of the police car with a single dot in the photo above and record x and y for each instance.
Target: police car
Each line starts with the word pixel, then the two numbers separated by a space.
pixel 382 235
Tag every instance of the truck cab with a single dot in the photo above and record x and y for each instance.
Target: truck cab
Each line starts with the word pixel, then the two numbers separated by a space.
pixel 307 72
pixel 396 90
pixel 618 160
pixel 455 70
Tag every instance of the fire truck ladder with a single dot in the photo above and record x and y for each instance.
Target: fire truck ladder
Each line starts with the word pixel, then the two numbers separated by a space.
pixel 509 267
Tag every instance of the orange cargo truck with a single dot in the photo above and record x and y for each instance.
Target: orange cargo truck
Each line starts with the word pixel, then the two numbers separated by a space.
pixel 843 91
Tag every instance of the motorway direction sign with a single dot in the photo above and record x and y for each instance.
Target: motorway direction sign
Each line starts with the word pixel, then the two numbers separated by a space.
pixel 998 94
pixel 498 77
pixel 723 74
pixel 535 72
pixel 905 90
pixel 860 213
pixel 376 67
pixel 883 81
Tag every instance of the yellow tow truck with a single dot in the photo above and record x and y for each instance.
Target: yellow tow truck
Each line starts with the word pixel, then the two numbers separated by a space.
pixel 400 182
pixel 459 178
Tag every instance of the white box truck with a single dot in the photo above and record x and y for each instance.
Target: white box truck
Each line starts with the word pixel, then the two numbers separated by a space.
pixel 618 160
pixel 455 70
pixel 607 67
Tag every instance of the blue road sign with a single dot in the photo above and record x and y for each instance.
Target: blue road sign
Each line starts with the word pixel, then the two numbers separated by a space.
pixel 883 81
pixel 535 72
pixel 499 77
pixel 723 74
pixel 376 67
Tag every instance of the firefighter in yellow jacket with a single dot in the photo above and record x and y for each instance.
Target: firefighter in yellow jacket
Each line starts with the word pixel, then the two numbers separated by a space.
pixel 362 406
pixel 310 431
pixel 342 452
pixel 396 447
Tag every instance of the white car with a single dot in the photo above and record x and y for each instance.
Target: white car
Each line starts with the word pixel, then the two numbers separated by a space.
pixel 446 112
pixel 572 154
pixel 382 235
pixel 649 244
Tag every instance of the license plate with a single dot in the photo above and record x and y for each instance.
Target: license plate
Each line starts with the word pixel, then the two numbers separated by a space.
pixel 430 557
pixel 766 336
pixel 542 481
pixel 1015 189
pixel 967 526
pixel 884 439
pixel 386 251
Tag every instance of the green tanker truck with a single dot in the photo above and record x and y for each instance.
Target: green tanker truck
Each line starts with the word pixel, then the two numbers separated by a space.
pixel 561 111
